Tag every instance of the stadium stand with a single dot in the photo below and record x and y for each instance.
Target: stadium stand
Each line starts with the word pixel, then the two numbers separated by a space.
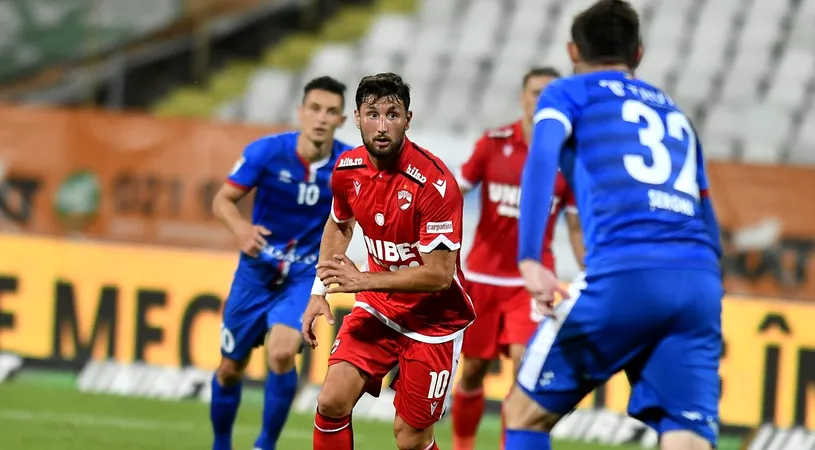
pixel 744 69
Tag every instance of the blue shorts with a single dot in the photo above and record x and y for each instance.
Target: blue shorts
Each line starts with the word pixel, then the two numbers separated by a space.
pixel 662 327
pixel 251 311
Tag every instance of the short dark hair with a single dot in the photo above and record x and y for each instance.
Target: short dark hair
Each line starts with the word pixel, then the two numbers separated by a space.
pixel 388 85
pixel 608 33
pixel 540 72
pixel 327 84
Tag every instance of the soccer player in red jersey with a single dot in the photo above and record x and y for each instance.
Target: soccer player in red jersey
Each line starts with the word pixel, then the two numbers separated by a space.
pixel 506 316
pixel 411 308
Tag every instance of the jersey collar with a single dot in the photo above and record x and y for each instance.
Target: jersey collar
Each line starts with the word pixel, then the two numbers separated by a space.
pixel 402 162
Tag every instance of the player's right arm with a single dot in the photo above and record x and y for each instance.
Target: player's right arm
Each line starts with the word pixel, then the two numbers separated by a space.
pixel 244 177
pixel 471 172
pixel 440 212
pixel 337 234
pixel 552 127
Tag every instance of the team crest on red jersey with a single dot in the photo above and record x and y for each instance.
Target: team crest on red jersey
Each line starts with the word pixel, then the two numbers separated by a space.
pixel 404 198
pixel 507 150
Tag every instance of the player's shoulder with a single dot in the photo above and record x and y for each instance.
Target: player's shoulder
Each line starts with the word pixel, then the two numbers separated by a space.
pixel 426 169
pixel 572 83
pixel 428 162
pixel 501 133
pixel 351 159
pixel 271 144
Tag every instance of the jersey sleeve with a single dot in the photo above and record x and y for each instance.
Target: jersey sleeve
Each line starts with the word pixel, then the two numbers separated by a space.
pixel 472 171
pixel 340 208
pixel 552 127
pixel 440 214
pixel 247 171
pixel 559 102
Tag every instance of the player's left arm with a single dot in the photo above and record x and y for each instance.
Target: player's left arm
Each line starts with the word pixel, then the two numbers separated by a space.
pixel 440 214
pixel 575 229
pixel 552 126
pixel 708 213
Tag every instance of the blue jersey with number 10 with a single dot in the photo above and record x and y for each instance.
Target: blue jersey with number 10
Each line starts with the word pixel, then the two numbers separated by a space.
pixel 292 200
pixel 636 166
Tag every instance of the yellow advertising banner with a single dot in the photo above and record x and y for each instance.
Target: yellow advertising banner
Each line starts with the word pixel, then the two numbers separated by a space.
pixel 70 301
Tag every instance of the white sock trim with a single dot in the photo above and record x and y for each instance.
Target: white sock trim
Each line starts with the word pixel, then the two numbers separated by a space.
pixel 332 431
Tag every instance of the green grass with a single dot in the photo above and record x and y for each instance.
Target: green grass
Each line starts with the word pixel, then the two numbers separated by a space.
pixel 53 416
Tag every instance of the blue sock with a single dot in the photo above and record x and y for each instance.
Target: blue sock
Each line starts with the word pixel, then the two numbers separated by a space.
pixel 527 440
pixel 223 409
pixel 277 399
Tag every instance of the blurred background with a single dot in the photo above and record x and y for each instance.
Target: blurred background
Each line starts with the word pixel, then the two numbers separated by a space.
pixel 120 119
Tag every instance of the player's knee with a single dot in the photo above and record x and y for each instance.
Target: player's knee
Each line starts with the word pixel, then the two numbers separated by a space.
pixel 522 413
pixel 409 438
pixel 281 359
pixel 229 372
pixel 473 372
pixel 333 402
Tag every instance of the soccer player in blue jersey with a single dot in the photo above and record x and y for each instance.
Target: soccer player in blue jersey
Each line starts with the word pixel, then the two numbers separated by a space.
pixel 291 175
pixel 650 303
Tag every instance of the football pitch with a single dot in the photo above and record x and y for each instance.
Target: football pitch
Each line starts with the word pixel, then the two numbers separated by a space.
pixel 54 415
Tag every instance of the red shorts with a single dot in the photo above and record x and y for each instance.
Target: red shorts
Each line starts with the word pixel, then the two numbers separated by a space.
pixel 426 371
pixel 505 317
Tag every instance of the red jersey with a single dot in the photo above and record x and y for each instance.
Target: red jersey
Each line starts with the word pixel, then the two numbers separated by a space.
pixel 497 163
pixel 414 208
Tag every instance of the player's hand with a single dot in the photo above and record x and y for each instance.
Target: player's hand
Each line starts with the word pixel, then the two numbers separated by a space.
pixel 317 306
pixel 342 273
pixel 252 240
pixel 542 285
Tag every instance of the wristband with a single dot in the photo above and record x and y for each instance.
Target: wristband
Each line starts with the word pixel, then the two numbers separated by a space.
pixel 318 288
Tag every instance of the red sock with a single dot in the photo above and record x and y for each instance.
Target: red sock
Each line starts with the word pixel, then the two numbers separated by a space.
pixel 468 407
pixel 333 434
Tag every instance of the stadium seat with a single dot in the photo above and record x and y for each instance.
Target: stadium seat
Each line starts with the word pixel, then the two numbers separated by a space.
pixel 746 65
pixel 478 29
pixel 765 131
pixel 269 90
pixel 789 86
pixel 388 35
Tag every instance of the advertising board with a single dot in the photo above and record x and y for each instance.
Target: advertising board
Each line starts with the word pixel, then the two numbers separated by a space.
pixel 66 302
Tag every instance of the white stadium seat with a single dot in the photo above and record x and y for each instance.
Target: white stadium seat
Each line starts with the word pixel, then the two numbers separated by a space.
pixel 732 60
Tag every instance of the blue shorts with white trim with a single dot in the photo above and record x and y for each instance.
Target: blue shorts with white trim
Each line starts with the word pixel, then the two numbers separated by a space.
pixel 662 327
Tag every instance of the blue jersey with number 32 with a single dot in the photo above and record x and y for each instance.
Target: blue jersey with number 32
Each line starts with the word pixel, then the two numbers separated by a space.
pixel 637 170
pixel 292 200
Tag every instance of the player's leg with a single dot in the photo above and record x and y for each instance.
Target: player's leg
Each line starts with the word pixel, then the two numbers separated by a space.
pixel 480 348
pixel 423 391
pixel 242 329
pixel 343 386
pixel 526 421
pixel 676 389
pixel 284 342
pixel 360 358
pixel 520 323
pixel 591 339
